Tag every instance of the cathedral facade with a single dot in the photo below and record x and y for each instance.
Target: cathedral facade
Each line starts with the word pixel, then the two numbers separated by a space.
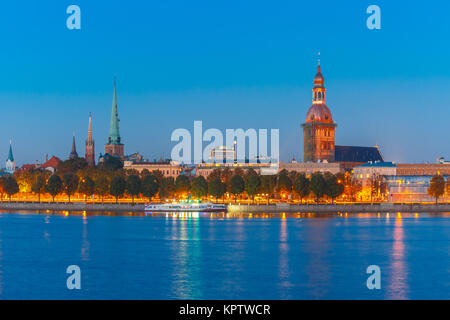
pixel 319 127
pixel 319 134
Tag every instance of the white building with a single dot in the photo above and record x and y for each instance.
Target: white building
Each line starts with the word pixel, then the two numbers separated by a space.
pixel 222 153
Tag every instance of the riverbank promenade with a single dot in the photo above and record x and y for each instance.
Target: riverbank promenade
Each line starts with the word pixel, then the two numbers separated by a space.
pixel 236 208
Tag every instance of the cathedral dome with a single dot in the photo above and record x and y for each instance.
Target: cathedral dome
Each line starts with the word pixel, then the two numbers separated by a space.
pixel 319 113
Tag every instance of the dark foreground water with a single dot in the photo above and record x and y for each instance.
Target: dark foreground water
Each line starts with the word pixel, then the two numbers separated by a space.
pixel 214 257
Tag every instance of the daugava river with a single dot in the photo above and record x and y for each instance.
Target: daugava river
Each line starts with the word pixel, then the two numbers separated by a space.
pixel 293 256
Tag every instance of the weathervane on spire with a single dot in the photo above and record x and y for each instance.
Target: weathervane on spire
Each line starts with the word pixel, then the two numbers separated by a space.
pixel 318 59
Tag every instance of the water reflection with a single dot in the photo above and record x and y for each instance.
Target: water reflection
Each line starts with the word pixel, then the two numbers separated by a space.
pixel 317 267
pixel 398 277
pixel 85 245
pixel 283 273
pixel 186 255
pixel 229 256
pixel 1 265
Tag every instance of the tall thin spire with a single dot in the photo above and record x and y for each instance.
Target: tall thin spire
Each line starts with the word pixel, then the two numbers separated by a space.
pixel 73 153
pixel 114 147
pixel 114 134
pixel 10 163
pixel 90 146
pixel 318 61
pixel 90 127
pixel 319 87
pixel 10 154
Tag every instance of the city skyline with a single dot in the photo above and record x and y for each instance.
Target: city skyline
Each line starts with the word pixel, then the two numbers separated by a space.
pixel 382 88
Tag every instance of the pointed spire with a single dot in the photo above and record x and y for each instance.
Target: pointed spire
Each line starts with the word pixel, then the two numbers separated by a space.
pixel 90 127
pixel 114 134
pixel 10 155
pixel 318 62
pixel 89 153
pixel 73 154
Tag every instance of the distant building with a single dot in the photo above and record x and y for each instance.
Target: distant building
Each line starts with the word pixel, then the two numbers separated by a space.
pixel 441 160
pixel 90 146
pixel 205 169
pixel 319 134
pixel 350 156
pixel 51 164
pixel 367 172
pixel 30 167
pixel 411 188
pixel 167 168
pixel 423 169
pixel 222 154
pixel 406 182
pixel 114 147
pixel 10 162
pixel 311 167
pixel 319 127
pixel 73 154
pixel 135 157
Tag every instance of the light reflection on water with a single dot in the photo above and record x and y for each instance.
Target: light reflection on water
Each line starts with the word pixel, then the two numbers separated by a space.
pixel 224 256
pixel 398 282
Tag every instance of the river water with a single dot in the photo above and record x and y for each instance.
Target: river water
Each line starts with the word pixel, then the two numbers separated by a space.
pixel 218 256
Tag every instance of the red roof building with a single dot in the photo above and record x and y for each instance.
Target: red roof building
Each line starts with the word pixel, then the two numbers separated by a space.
pixel 51 164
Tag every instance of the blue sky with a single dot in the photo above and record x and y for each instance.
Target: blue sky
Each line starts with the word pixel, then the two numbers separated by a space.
pixel 231 64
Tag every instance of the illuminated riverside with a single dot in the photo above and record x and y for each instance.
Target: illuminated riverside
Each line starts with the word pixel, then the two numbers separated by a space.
pixel 237 208
pixel 223 255
pixel 329 173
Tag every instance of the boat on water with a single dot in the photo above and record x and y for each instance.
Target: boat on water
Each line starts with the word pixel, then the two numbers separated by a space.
pixel 189 206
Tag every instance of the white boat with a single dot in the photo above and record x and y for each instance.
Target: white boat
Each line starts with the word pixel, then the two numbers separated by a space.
pixel 185 207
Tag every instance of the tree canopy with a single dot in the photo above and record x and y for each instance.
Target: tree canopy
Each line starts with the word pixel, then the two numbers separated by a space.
pixel 117 187
pixel 54 186
pixel 437 187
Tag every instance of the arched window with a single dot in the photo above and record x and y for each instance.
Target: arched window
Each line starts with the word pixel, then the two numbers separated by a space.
pixel 319 94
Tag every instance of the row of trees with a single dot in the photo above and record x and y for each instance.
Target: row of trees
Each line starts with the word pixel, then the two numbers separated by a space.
pixel 118 182
pixel 69 184
pixel 110 179
pixel 238 183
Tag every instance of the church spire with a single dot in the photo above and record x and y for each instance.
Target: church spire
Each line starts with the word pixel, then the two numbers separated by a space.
pixel 318 62
pixel 10 163
pixel 319 87
pixel 114 134
pixel 89 150
pixel 10 155
pixel 114 147
pixel 90 127
pixel 73 153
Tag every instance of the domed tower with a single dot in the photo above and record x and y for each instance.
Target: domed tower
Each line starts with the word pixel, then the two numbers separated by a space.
pixel 318 129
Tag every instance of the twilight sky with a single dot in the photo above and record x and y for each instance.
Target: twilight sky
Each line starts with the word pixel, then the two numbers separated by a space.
pixel 231 64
